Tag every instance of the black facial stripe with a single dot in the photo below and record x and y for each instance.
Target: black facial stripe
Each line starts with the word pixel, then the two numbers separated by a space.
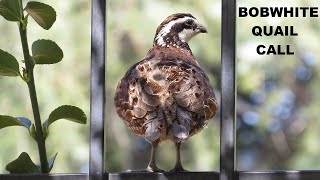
pixel 180 27
pixel 189 22
pixel 177 28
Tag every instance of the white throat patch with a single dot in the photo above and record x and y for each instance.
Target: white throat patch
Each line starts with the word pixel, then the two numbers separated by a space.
pixel 184 35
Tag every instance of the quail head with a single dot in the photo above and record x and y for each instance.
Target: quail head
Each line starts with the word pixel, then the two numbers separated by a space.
pixel 166 95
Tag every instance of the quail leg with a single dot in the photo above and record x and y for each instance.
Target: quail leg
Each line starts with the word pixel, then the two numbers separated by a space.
pixel 178 167
pixel 152 167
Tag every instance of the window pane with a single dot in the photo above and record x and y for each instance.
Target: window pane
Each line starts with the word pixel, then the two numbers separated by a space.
pixel 130 36
pixel 278 99
pixel 66 82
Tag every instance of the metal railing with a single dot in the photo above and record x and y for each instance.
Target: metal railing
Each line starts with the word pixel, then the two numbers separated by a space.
pixel 227 139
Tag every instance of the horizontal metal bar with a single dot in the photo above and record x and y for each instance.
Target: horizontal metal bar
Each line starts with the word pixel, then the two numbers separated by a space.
pixel 279 175
pixel 44 176
pixel 164 176
pixel 240 175
pixel 117 176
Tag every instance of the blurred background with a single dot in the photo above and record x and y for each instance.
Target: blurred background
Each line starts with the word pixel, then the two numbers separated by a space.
pixel 278 96
pixel 277 103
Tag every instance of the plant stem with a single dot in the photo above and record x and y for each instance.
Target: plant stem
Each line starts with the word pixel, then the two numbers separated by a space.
pixel 34 102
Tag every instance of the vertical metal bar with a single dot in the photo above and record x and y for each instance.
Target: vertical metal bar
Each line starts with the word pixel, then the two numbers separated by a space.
pixel 97 104
pixel 227 136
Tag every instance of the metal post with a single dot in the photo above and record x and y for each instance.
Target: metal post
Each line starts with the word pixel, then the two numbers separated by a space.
pixel 97 107
pixel 228 92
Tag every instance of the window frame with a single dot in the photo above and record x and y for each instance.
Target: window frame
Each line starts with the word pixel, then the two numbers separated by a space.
pixel 228 169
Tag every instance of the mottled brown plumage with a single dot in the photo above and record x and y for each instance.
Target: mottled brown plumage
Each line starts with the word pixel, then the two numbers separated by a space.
pixel 167 95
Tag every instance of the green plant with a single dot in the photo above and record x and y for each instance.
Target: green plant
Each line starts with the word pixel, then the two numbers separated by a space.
pixel 43 52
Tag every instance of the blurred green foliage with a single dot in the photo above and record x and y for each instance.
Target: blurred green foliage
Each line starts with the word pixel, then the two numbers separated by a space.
pixel 278 98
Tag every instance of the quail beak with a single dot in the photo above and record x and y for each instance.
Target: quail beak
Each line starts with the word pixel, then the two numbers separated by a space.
pixel 201 29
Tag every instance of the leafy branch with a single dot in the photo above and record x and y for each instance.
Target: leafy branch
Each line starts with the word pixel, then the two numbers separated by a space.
pixel 43 52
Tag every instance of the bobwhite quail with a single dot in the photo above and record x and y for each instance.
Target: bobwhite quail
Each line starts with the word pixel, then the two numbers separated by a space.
pixel 166 95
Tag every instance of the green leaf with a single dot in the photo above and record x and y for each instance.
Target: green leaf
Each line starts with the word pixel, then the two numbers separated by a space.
pixel 11 10
pixel 46 52
pixel 6 121
pixel 51 161
pixel 42 13
pixel 71 113
pixel 9 65
pixel 22 165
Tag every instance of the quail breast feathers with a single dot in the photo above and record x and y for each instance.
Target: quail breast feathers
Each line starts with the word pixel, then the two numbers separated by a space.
pixel 166 95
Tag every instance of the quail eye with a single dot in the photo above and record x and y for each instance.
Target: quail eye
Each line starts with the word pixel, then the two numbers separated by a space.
pixel 189 22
